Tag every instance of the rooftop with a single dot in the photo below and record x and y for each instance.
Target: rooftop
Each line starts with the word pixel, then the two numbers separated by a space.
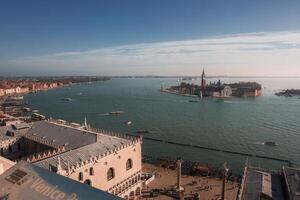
pixel 62 135
pixel 259 183
pixel 26 181
pixel 96 150
pixel 292 179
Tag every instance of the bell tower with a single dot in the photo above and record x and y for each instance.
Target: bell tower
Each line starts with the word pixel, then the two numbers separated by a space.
pixel 203 81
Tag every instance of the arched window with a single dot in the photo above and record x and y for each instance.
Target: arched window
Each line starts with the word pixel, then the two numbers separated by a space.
pixel 110 174
pixel 80 176
pixel 131 195
pixel 129 164
pixel 88 182
pixel 91 171
pixel 138 191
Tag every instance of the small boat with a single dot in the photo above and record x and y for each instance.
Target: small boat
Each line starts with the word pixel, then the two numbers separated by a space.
pixel 116 112
pixel 270 143
pixel 35 111
pixel 128 122
pixel 66 99
pixel 16 97
pixel 193 101
pixel 143 131
pixel 26 109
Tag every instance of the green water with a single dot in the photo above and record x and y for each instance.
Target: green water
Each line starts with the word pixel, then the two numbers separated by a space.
pixel 236 124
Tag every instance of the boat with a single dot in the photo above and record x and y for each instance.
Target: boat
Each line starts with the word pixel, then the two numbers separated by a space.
pixel 16 97
pixel 35 111
pixel 193 101
pixel 36 116
pixel 269 143
pixel 116 112
pixel 26 109
pixel 143 131
pixel 66 99
pixel 128 122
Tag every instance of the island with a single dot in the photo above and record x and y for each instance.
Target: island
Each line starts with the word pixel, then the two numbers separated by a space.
pixel 289 93
pixel 216 89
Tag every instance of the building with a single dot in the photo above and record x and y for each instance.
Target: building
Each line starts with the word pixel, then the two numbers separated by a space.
pixel 203 82
pixel 27 181
pixel 101 159
pixel 291 178
pixel 9 91
pixel 2 92
pixel 246 89
pixel 262 184
pixel 5 164
pixel 258 184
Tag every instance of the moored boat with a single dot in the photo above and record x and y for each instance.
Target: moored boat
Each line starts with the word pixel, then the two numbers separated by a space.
pixel 143 131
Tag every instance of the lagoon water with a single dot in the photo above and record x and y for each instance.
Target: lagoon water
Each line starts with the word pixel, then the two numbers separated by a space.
pixel 235 124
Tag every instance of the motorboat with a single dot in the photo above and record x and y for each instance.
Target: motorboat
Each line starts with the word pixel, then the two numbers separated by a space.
pixel 269 143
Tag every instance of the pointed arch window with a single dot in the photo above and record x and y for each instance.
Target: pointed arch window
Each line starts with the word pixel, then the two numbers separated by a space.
pixel 80 176
pixel 110 173
pixel 91 171
pixel 129 164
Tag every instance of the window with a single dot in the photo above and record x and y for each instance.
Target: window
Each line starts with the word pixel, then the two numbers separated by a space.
pixel 2 152
pixel 110 174
pixel 88 182
pixel 91 171
pixel 9 149
pixel 80 176
pixel 129 164
pixel 19 147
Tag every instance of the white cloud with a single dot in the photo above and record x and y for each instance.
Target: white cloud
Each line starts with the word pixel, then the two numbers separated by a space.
pixel 275 53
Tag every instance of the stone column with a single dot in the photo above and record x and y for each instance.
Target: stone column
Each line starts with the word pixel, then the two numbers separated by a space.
pixel 224 181
pixel 178 173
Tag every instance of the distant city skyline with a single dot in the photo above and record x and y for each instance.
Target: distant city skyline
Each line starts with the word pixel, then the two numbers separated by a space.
pixel 119 38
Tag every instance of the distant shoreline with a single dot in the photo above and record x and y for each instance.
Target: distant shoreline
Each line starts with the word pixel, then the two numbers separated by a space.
pixel 208 77
pixel 147 76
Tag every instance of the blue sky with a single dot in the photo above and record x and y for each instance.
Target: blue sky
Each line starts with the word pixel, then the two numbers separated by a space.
pixel 257 37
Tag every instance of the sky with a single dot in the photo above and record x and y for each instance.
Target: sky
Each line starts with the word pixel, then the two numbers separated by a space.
pixel 150 37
